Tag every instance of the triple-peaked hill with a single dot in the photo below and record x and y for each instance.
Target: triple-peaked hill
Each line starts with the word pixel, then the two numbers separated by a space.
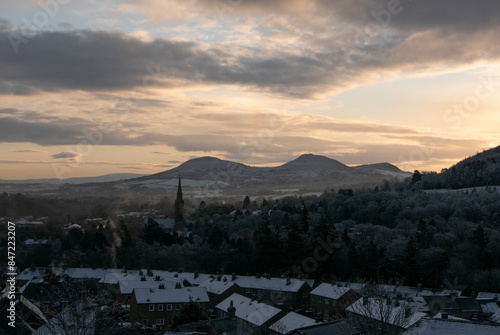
pixel 209 176
pixel 214 177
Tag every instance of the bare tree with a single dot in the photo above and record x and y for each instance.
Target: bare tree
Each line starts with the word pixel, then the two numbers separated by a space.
pixel 381 312
pixel 84 309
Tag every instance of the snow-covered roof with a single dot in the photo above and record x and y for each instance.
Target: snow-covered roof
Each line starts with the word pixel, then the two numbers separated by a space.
pixel 32 241
pixel 387 312
pixel 256 313
pixel 403 291
pixel 127 286
pixel 451 327
pixel 450 317
pixel 496 317
pixel 489 307
pixel 330 291
pixel 85 273
pixel 217 286
pixel 114 276
pixel 266 283
pixel 290 322
pixel 29 274
pixel 487 296
pixel 175 295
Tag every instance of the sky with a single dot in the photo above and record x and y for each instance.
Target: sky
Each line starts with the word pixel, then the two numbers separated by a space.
pixel 93 87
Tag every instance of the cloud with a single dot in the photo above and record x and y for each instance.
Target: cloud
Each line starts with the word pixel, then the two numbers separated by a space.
pixel 31 151
pixel 320 64
pixel 70 156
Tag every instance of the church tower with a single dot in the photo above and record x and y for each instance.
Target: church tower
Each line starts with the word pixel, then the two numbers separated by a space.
pixel 179 209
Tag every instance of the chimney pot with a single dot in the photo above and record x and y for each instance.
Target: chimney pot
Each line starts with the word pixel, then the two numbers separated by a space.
pixel 231 310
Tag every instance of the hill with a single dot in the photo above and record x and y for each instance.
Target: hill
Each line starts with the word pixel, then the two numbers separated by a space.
pixel 482 169
pixel 309 173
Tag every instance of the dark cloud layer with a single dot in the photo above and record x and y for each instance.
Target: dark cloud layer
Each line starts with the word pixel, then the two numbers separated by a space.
pixel 426 34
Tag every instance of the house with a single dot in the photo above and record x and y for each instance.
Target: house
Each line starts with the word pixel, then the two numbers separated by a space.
pixel 157 307
pixel 329 328
pixel 468 308
pixel 220 289
pixel 496 317
pixel 288 293
pixel 383 316
pixel 126 287
pixel 429 326
pixel 489 305
pixel 442 303
pixel 330 300
pixel 252 316
pixel 290 322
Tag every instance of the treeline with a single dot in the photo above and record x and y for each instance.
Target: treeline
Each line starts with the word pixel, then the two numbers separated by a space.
pixel 482 169
pixel 399 233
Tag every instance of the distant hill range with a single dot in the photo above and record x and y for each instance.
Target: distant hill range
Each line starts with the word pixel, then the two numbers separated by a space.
pixel 210 176
pixel 214 177
pixel 482 169
pixel 76 180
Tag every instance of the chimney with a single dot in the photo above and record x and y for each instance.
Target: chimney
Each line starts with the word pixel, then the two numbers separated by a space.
pixel 203 328
pixel 231 310
pixel 419 287
pixel 161 286
pixel 288 282
pixel 495 298
pixel 444 316
pixel 407 312
pixel 233 277
pixel 268 276
pixel 257 276
pixel 365 301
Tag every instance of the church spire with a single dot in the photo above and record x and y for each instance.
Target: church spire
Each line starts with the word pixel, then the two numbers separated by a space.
pixel 179 208
pixel 179 191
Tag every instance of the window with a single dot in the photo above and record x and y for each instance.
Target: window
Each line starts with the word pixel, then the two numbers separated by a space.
pixel 160 308
pixel 334 302
pixel 128 297
pixel 312 297
pixel 319 310
pixel 320 299
pixel 169 307
pixel 326 301
pixel 304 295
pixel 160 322
pixel 326 312
pixel 151 308
pixel 177 307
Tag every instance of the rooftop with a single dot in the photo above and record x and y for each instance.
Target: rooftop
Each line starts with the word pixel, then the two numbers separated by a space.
pixel 387 311
pixel 217 286
pixel 290 322
pixel 330 291
pixel 451 327
pixel 175 295
pixel 256 313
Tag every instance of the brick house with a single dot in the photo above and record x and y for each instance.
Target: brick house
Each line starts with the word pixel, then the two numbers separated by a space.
pixel 219 289
pixel 330 300
pixel 253 317
pixel 288 293
pixel 157 307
